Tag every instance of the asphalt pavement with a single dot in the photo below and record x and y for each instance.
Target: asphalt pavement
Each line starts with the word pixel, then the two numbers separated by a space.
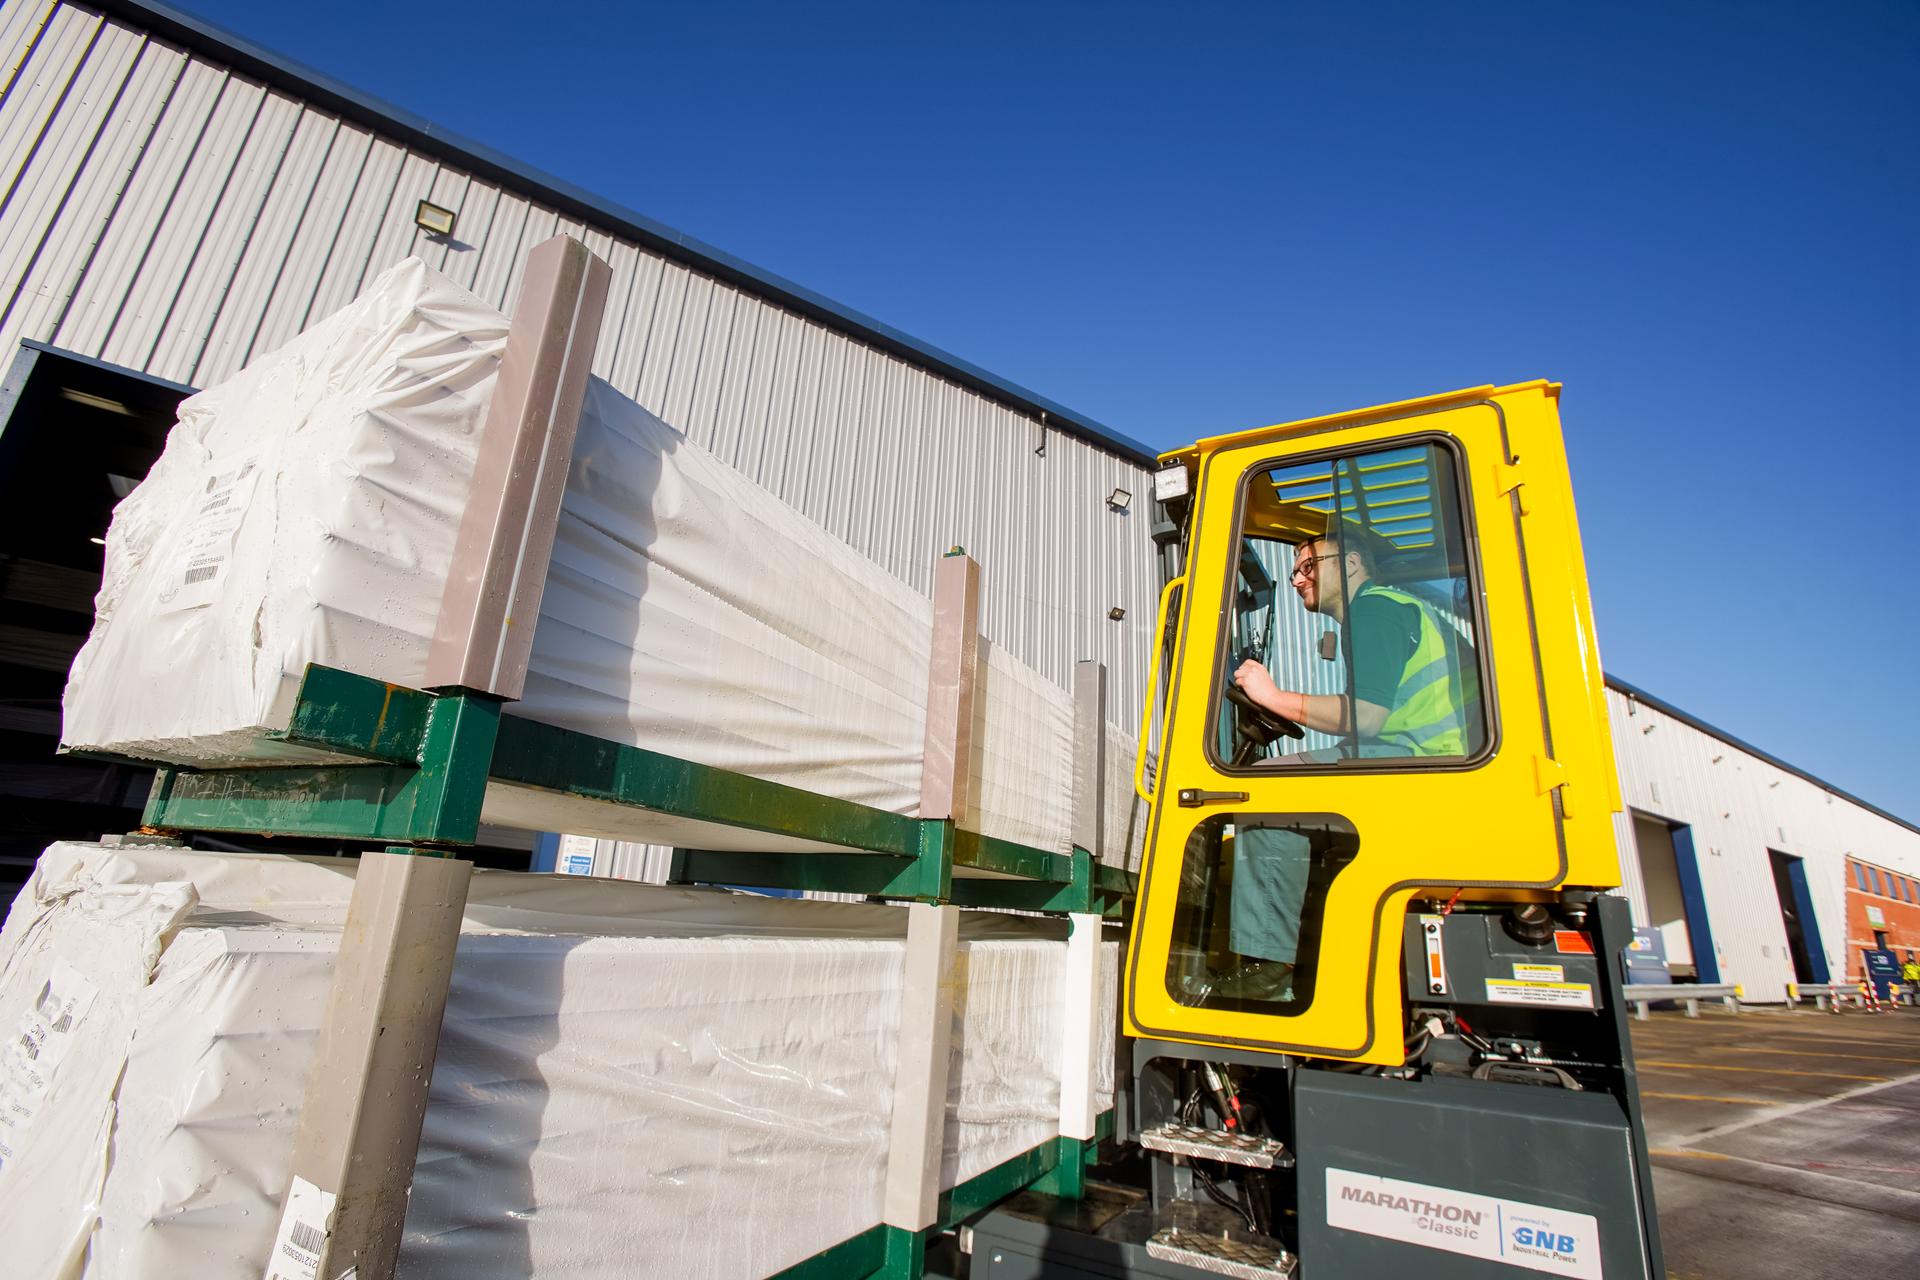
pixel 1785 1144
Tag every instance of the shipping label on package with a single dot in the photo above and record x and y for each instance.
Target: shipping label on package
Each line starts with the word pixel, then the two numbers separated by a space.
pixel 34 1050
pixel 207 547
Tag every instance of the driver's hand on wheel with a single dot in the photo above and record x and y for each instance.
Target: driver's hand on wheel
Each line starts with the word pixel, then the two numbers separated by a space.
pixel 1253 678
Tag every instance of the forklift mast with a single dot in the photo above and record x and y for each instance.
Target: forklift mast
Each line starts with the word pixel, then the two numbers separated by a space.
pixel 1373 979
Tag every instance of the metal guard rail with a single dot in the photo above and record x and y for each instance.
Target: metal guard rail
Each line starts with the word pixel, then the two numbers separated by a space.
pixel 1642 994
pixel 1825 994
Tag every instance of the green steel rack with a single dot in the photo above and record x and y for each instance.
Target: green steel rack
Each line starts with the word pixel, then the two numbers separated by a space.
pixel 422 761
pixel 427 757
pixel 888 1253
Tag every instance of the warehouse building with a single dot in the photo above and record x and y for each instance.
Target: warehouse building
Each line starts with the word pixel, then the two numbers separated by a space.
pixel 1753 871
pixel 175 200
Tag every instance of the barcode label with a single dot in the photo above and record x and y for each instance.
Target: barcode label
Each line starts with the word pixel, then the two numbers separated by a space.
pixel 206 542
pixel 30 1057
pixel 302 1237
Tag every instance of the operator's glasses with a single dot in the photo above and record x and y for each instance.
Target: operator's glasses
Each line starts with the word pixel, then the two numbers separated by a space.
pixel 1306 568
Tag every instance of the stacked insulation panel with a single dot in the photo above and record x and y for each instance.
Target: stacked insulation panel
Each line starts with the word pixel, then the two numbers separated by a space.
pixel 305 511
pixel 696 1079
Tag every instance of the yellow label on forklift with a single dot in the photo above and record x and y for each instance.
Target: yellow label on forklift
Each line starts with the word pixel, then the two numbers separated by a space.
pixel 1540 972
pixel 1562 995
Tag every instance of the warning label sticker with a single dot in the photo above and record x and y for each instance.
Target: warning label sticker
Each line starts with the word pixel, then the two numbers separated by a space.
pixel 1540 972
pixel 208 542
pixel 1512 1232
pixel 1572 942
pixel 1564 995
pixel 576 855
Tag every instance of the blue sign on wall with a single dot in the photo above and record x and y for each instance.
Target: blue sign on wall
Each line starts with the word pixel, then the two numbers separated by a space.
pixel 1883 970
pixel 1647 957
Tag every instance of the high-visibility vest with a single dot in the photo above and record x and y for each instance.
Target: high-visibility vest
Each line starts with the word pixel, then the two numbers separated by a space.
pixel 1428 717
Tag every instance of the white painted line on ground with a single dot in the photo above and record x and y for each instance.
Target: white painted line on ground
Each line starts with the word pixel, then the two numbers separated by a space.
pixel 1792 1109
pixel 1811 1184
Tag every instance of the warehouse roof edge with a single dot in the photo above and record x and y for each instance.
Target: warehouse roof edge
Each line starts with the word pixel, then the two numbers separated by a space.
pixel 1685 717
pixel 403 126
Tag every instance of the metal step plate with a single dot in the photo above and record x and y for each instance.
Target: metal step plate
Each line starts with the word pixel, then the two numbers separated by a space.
pixel 1223 1257
pixel 1213 1144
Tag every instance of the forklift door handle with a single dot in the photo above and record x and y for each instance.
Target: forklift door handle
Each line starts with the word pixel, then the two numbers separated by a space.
pixel 1147 708
pixel 1192 799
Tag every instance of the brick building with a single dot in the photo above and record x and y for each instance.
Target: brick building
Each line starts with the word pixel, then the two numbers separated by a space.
pixel 1883 909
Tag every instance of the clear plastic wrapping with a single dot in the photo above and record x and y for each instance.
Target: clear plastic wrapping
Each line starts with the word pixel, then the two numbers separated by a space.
pixel 305 511
pixel 700 1079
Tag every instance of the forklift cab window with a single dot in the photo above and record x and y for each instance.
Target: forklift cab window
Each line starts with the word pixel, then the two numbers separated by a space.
pixel 1353 629
pixel 1351 644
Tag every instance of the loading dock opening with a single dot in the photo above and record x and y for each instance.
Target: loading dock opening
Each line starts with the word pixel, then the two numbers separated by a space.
pixel 75 436
pixel 1796 914
pixel 1666 898
pixel 1676 903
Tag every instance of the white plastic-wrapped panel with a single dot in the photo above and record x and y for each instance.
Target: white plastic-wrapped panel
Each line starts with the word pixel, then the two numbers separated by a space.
pixel 305 511
pixel 690 611
pixel 697 1078
pixel 69 998
pixel 1022 753
pixel 302 511
pixel 1123 831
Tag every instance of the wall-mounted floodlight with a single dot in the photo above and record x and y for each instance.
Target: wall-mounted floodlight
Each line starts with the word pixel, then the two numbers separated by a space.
pixel 1119 499
pixel 105 404
pixel 1116 613
pixel 432 219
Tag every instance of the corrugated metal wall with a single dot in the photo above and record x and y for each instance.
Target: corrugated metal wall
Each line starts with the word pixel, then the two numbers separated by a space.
pixel 1740 806
pixel 160 212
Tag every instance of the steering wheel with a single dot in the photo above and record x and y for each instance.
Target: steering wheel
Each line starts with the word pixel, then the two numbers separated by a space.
pixel 1254 726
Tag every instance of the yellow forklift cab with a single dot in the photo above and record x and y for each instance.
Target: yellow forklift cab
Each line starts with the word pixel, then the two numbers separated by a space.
pixel 1373 980
pixel 1410 579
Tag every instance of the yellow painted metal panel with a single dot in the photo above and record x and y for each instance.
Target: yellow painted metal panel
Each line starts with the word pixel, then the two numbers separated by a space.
pixel 1491 826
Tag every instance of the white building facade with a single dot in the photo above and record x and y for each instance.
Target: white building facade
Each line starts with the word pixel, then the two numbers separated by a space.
pixel 1738 858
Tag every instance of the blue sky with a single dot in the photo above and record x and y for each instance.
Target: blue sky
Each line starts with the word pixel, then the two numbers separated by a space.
pixel 1182 220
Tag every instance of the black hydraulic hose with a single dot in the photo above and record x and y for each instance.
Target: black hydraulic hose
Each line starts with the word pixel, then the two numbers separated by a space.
pixel 1190 1113
pixel 1221 1198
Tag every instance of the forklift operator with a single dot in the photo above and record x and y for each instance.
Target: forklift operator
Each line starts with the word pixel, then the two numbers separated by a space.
pixel 1405 698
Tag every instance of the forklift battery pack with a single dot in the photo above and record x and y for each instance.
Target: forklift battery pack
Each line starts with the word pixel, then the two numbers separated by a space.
pixel 1464 1180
